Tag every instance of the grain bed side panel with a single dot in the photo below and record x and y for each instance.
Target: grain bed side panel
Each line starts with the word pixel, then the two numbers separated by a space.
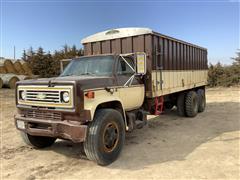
pixel 155 59
pixel 202 60
pixel 178 80
pixel 106 47
pixel 127 45
pixel 116 46
pixel 166 61
pixel 187 57
pixel 161 55
pixel 167 52
pixel 87 49
pixel 182 57
pixel 177 56
pixel 170 63
pixel 174 56
pixel 96 48
pixel 148 49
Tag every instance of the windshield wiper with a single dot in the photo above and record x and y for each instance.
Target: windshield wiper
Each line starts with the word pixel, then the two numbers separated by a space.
pixel 87 73
pixel 68 75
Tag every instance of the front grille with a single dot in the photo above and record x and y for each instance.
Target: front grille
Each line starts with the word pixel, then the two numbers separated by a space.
pixel 43 96
pixel 56 116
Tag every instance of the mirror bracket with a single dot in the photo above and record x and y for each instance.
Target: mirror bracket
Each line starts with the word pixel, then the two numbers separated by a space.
pixel 140 66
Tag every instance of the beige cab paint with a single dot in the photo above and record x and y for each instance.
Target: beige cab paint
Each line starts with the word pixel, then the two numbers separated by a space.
pixel 131 97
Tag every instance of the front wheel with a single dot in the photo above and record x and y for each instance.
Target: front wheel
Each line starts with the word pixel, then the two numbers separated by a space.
pixel 106 136
pixel 37 141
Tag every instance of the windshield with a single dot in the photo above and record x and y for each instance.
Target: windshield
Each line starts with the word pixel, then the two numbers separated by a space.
pixel 97 65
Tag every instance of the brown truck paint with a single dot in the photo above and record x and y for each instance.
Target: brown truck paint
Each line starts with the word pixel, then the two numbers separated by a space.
pixel 69 116
pixel 174 69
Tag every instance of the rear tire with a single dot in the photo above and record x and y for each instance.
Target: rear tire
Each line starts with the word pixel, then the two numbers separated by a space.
pixel 37 141
pixel 201 100
pixel 191 104
pixel 106 136
pixel 181 104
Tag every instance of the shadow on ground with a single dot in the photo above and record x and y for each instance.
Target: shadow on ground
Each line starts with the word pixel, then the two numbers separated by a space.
pixel 167 137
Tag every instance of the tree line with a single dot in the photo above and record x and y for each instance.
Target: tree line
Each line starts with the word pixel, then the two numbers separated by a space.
pixel 225 75
pixel 46 64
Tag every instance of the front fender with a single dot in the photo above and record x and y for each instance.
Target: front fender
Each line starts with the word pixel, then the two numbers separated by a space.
pixel 101 96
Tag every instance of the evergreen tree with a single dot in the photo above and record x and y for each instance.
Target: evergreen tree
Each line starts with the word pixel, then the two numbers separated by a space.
pixel 30 52
pixel 228 75
pixel 74 50
pixel 37 63
pixel 237 58
pixel 65 50
pixel 24 55
pixel 47 64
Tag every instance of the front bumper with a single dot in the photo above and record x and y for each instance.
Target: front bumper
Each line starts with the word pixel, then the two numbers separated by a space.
pixel 71 130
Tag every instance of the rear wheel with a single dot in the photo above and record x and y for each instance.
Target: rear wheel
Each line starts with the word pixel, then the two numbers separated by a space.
pixel 181 104
pixel 191 104
pixel 201 100
pixel 106 136
pixel 37 141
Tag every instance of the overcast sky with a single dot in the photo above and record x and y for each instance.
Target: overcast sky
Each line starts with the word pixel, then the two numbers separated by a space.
pixel 51 24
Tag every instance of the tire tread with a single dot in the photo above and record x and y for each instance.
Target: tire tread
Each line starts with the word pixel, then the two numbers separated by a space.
pixel 90 143
pixel 189 104
pixel 181 104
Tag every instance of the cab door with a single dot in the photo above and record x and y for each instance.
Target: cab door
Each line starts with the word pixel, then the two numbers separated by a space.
pixel 131 92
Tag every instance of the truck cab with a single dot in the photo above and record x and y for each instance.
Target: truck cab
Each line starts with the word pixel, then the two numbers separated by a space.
pixel 93 93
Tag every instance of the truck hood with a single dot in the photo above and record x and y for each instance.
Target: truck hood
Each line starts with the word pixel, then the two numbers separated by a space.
pixel 84 82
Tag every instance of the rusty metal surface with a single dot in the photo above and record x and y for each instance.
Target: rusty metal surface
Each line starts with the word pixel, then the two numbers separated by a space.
pixel 38 114
pixel 61 129
pixel 79 115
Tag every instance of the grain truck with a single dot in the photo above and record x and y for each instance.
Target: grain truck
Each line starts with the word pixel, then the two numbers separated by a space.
pixel 124 75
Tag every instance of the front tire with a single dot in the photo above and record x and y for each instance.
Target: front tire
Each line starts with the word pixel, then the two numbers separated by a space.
pixel 106 136
pixel 37 141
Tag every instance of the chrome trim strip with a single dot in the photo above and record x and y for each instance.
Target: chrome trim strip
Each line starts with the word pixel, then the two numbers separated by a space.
pixel 51 96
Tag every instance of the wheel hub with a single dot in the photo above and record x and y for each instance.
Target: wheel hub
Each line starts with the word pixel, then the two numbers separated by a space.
pixel 110 137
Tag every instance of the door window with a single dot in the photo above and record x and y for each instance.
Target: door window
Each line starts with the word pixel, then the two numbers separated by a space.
pixel 123 68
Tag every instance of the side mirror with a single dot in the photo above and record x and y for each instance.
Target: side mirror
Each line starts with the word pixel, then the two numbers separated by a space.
pixel 141 63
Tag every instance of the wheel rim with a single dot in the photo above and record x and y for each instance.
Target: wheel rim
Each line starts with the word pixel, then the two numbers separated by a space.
pixel 110 137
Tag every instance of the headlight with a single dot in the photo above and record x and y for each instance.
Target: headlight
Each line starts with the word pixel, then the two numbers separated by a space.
pixel 65 97
pixel 22 95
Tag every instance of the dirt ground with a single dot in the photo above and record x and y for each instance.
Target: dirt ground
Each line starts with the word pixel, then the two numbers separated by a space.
pixel 170 147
